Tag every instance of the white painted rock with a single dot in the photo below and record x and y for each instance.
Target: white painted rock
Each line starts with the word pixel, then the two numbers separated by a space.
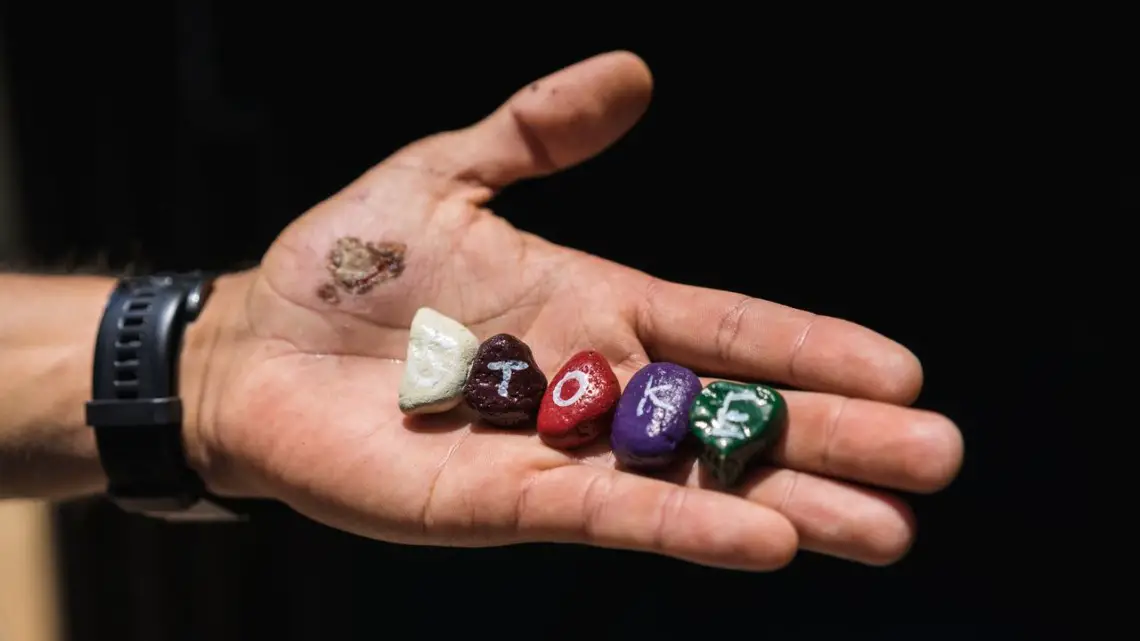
pixel 440 352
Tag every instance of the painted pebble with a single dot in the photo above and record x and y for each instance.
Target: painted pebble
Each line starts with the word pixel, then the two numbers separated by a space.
pixel 440 351
pixel 652 417
pixel 578 406
pixel 505 386
pixel 736 423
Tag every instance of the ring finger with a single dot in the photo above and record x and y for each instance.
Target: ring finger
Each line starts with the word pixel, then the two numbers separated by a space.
pixel 864 441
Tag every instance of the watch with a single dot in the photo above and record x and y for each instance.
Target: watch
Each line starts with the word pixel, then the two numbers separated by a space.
pixel 135 409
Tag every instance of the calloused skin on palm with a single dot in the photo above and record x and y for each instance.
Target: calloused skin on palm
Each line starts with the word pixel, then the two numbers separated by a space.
pixel 308 413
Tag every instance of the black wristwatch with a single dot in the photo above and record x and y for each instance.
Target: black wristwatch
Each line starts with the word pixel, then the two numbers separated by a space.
pixel 135 408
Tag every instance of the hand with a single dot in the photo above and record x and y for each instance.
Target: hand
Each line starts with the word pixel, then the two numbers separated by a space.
pixel 299 401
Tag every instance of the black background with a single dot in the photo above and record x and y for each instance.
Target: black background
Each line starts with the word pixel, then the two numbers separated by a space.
pixel 901 182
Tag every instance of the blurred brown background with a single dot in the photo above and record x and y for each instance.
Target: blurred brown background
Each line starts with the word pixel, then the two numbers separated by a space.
pixel 29 607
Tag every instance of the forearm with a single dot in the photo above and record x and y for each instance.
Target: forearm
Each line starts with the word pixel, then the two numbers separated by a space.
pixel 47 343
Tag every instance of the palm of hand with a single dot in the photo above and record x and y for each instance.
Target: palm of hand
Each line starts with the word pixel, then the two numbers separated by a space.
pixel 310 417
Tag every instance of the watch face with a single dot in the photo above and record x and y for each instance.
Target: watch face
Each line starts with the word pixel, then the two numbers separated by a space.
pixel 199 288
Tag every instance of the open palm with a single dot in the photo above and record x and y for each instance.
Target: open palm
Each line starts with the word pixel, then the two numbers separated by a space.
pixel 308 415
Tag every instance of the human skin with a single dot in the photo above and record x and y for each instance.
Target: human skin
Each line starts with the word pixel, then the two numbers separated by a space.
pixel 290 376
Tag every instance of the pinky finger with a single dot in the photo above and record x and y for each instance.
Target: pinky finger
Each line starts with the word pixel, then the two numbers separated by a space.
pixel 608 508
pixel 836 518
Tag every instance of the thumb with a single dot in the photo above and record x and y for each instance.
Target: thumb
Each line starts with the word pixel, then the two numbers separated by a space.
pixel 549 125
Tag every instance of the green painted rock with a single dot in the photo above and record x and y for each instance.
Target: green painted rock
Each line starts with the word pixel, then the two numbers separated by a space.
pixel 735 423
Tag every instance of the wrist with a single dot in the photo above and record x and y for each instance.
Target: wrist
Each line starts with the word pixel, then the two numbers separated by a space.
pixel 212 348
pixel 47 349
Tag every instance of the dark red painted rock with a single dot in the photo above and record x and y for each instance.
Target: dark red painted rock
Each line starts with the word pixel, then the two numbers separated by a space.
pixel 578 405
pixel 505 385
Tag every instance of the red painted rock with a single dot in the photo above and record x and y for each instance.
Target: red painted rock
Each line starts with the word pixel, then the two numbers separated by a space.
pixel 578 405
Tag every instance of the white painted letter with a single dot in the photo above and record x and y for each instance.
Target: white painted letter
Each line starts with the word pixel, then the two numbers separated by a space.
pixel 650 394
pixel 507 368
pixel 583 383
pixel 430 368
pixel 729 423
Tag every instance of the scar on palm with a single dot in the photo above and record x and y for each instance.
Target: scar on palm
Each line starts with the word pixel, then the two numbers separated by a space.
pixel 356 267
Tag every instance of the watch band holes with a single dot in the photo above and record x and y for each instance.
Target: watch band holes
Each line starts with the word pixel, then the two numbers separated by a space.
pixel 126 355
pixel 130 339
pixel 132 321
pixel 126 392
pixel 126 375
pixel 138 306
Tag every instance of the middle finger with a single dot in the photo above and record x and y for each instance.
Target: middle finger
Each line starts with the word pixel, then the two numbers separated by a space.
pixel 863 441
pixel 869 442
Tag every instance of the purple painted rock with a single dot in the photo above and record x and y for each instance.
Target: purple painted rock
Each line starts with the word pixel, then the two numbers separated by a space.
pixel 652 417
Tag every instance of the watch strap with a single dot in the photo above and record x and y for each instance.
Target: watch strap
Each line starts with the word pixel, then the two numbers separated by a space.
pixel 135 409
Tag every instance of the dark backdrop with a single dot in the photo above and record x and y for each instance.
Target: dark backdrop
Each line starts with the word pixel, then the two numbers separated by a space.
pixel 896 177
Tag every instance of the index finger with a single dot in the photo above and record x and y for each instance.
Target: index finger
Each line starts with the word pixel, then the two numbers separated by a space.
pixel 735 336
